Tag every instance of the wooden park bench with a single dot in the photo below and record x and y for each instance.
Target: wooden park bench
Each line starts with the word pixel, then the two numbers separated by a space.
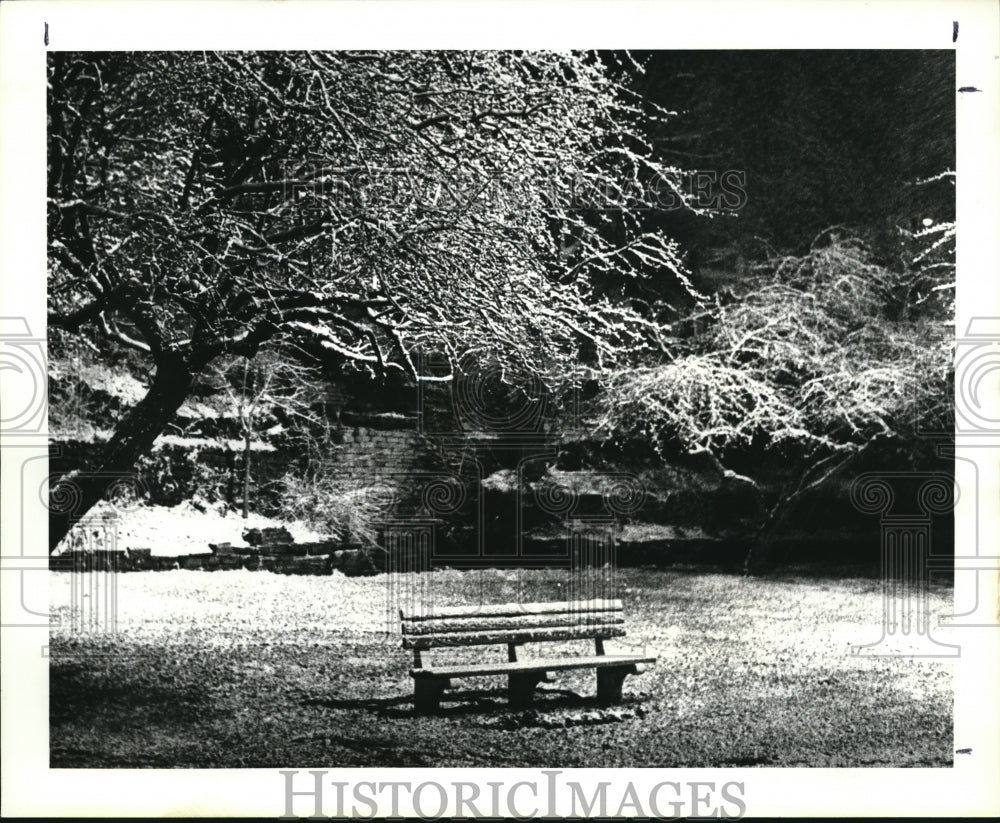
pixel 515 624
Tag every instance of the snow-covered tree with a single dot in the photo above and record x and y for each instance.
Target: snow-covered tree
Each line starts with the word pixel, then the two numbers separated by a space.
pixel 809 361
pixel 375 204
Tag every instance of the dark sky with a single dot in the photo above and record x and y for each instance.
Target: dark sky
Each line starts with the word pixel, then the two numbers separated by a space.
pixel 825 137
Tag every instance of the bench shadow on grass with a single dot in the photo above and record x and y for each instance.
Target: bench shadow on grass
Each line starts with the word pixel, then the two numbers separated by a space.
pixel 461 702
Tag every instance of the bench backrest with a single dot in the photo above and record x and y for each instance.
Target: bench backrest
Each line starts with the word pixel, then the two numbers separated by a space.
pixel 513 623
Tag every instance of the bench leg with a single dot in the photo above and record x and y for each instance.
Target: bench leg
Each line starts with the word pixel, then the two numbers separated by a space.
pixel 521 688
pixel 609 682
pixel 427 694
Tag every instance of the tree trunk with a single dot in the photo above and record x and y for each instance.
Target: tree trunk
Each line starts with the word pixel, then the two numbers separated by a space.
pixel 759 553
pixel 74 494
pixel 247 435
pixel 246 413
pixel 230 476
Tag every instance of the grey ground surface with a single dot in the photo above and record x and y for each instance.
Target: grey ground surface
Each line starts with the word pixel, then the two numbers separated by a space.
pixel 253 669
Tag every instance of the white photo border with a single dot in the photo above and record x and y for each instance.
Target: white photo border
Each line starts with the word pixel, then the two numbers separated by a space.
pixel 31 788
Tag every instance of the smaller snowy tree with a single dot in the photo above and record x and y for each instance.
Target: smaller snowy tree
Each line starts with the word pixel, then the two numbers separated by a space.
pixel 809 361
pixel 273 386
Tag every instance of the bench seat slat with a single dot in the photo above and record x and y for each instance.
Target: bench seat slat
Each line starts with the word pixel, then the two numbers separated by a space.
pixel 540 664
pixel 516 609
pixel 485 638
pixel 524 622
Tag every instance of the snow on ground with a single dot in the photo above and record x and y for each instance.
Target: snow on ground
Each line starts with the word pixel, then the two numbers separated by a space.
pixel 170 531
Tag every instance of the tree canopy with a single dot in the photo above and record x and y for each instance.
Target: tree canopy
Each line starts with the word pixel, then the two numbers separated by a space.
pixel 204 203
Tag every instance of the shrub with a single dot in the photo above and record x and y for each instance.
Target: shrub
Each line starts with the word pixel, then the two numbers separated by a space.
pixel 349 509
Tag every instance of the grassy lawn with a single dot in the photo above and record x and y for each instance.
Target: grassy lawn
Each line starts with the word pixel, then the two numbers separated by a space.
pixel 252 669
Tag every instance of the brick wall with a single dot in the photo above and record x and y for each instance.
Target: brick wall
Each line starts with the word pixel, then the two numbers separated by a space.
pixel 366 452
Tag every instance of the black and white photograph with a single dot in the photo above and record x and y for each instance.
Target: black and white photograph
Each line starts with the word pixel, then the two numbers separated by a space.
pixel 508 408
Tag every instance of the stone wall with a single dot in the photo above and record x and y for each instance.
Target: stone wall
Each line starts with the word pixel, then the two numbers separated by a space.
pixel 182 468
pixel 684 509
